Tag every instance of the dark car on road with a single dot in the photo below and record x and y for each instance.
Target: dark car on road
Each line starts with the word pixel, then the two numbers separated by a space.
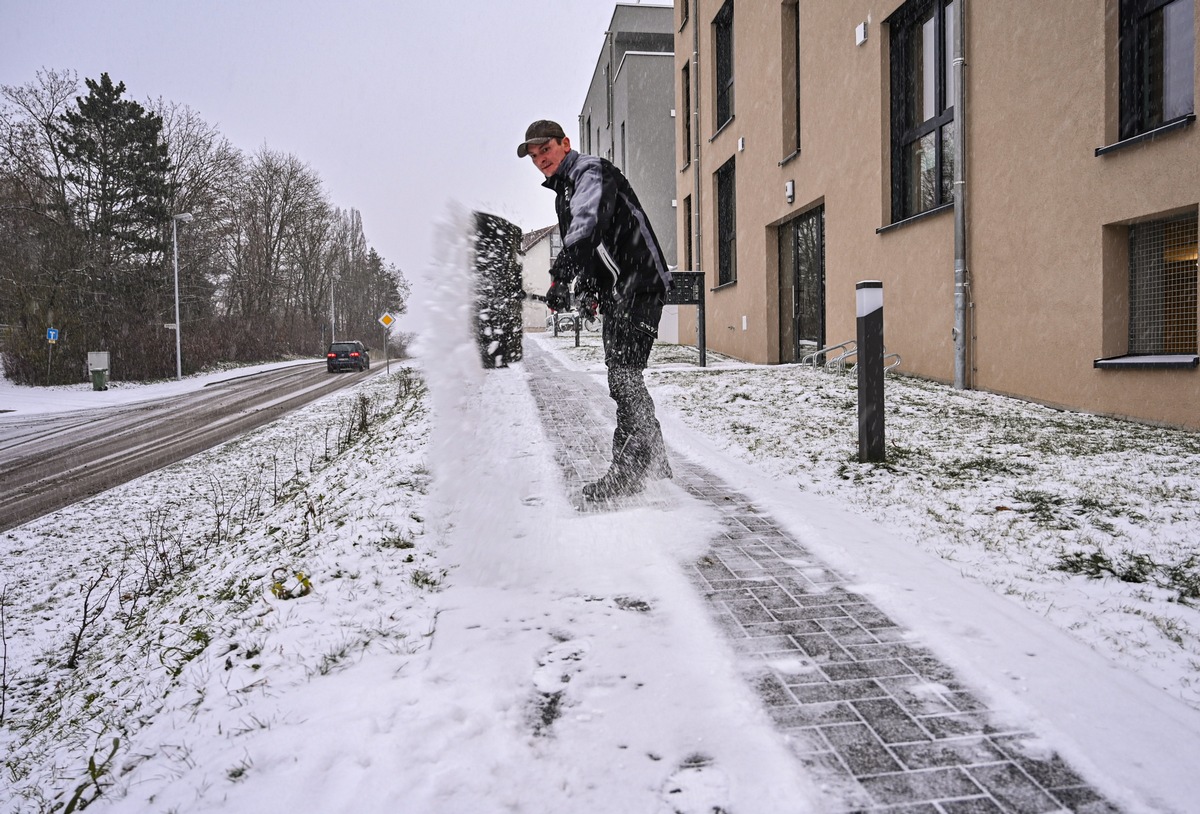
pixel 348 355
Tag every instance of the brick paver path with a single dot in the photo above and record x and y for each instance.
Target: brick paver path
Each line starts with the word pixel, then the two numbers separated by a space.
pixel 877 719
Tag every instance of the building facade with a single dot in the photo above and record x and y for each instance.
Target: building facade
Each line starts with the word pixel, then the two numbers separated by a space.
pixel 1023 177
pixel 628 114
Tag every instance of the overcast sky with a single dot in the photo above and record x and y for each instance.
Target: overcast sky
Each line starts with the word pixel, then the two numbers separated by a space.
pixel 399 106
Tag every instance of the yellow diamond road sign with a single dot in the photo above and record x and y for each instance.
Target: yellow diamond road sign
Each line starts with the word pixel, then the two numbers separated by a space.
pixel 386 320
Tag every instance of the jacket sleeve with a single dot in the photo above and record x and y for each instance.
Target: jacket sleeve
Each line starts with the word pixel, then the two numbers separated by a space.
pixel 592 205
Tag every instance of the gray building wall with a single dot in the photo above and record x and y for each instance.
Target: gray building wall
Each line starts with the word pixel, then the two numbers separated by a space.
pixel 634 81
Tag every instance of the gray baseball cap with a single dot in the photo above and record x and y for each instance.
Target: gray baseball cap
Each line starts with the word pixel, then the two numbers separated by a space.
pixel 539 132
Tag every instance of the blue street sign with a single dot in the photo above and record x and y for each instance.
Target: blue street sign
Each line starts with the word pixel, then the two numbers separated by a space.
pixel 52 334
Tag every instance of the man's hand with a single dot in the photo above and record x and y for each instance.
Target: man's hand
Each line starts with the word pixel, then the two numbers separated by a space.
pixel 588 305
pixel 558 297
pixel 587 294
pixel 566 266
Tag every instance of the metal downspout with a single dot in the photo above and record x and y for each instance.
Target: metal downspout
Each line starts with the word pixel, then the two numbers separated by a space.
pixel 695 114
pixel 962 286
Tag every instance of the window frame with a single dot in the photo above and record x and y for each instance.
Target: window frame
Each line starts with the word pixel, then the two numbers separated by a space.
pixel 907 21
pixel 686 92
pixel 1136 116
pixel 688 233
pixel 723 54
pixel 725 187
pixel 790 79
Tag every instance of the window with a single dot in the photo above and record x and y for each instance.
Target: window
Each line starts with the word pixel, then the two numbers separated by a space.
pixel 723 36
pixel 555 244
pixel 726 224
pixel 624 153
pixel 686 97
pixel 683 9
pixel 1162 287
pixel 687 234
pixel 922 47
pixel 1157 55
pixel 608 96
pixel 587 148
pixel 790 104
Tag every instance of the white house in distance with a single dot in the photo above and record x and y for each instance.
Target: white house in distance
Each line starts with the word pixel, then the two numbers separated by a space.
pixel 538 248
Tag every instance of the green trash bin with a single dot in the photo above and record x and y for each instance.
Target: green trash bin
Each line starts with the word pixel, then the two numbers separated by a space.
pixel 99 379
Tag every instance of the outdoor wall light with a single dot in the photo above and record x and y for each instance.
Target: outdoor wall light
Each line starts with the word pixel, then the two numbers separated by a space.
pixel 789 191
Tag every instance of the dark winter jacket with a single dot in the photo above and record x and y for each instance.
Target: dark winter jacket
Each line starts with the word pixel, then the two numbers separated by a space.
pixel 605 231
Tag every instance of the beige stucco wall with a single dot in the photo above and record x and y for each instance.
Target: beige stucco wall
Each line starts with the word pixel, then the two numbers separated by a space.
pixel 1046 216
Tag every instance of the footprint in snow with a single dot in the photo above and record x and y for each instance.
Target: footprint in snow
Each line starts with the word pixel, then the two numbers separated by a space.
pixel 557 665
pixel 696 787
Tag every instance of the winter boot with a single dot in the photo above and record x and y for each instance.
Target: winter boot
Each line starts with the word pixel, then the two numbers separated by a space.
pixel 616 482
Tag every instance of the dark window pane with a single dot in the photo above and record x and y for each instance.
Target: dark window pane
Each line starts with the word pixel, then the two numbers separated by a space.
pixel 687 113
pixel 920 73
pixel 948 60
pixel 726 224
pixel 687 233
pixel 921 182
pixel 1157 58
pixel 948 163
pixel 1178 57
pixel 723 25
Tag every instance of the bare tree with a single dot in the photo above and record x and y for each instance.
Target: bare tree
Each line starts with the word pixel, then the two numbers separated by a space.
pixel 278 194
pixel 39 247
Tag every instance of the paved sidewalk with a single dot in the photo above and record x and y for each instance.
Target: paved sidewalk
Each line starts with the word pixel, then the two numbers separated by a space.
pixel 878 720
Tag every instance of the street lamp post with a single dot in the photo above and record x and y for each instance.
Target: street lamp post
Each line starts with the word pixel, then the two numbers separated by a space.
pixel 186 217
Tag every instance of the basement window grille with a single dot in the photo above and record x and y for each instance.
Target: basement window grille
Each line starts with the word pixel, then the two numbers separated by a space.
pixel 1162 287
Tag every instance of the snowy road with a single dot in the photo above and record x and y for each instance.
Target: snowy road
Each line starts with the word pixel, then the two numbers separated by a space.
pixel 51 461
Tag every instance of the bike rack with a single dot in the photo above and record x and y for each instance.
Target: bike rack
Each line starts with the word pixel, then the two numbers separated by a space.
pixel 811 358
pixel 842 362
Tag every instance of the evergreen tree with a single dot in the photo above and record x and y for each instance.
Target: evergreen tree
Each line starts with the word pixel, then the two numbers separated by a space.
pixel 118 167
pixel 117 170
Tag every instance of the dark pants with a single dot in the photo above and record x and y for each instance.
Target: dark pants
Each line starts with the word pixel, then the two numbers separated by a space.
pixel 637 440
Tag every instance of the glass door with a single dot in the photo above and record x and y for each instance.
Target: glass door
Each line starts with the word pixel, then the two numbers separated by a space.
pixel 802 285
